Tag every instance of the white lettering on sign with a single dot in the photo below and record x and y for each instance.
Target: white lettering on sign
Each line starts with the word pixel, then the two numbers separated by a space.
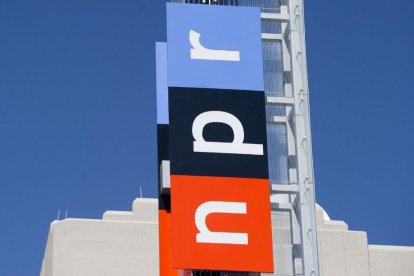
pixel 210 207
pixel 198 51
pixel 235 147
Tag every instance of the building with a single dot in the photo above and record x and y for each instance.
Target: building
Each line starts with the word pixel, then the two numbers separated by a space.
pixel 288 123
pixel 125 243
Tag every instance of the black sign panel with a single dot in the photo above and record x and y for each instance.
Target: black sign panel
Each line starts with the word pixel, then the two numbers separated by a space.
pixel 217 132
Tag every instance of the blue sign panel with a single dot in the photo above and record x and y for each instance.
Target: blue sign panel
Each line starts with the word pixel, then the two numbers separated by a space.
pixel 214 47
pixel 162 85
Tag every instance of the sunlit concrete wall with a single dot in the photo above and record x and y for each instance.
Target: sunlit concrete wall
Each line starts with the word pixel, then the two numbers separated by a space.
pixel 122 243
pixel 126 244
pixel 391 260
pixel 346 253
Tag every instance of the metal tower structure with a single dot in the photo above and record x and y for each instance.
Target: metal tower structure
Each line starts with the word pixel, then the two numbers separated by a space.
pixel 288 124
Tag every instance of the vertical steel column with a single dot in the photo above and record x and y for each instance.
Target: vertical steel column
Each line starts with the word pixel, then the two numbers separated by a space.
pixel 302 130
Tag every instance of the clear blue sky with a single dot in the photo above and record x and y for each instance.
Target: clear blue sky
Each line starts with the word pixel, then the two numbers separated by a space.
pixel 77 114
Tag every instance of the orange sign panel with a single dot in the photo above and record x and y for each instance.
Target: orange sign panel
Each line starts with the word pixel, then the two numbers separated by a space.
pixel 221 223
pixel 164 222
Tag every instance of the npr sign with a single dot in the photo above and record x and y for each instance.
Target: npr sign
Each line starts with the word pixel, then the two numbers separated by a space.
pixel 220 209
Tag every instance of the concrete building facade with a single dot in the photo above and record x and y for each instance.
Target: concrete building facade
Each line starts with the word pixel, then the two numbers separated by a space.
pixel 125 243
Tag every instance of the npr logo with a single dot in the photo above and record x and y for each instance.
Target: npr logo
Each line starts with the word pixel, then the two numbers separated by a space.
pixel 220 209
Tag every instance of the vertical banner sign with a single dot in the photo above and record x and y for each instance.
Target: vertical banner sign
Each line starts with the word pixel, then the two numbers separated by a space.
pixel 220 208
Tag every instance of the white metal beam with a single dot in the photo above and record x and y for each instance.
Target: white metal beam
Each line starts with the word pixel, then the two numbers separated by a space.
pixel 275 16
pixel 268 36
pixel 278 119
pixel 165 177
pixel 280 100
pixel 285 189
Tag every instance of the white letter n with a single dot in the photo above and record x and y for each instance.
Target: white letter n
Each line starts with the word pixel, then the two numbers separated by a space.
pixel 209 207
